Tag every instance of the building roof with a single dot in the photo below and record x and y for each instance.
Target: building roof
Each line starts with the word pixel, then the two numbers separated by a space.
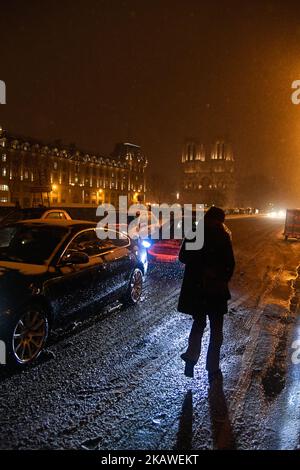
pixel 70 152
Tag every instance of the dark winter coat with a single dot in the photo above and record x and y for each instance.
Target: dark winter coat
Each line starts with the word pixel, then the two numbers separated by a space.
pixel 207 272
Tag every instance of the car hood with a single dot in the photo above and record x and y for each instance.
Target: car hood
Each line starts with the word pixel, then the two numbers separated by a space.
pixel 21 268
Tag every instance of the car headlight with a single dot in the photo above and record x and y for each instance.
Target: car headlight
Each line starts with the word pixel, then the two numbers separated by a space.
pixel 146 243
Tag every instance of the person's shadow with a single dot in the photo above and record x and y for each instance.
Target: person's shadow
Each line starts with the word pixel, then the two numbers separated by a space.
pixel 185 431
pixel 222 433
pixel 223 437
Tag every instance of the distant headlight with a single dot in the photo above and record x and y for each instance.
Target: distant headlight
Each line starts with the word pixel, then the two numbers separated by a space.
pixel 277 214
pixel 146 244
pixel 281 214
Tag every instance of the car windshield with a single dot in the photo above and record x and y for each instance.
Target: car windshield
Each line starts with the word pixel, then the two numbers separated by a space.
pixel 30 244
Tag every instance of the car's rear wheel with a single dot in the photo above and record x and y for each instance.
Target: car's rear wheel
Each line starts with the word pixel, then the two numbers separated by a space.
pixel 27 336
pixel 135 288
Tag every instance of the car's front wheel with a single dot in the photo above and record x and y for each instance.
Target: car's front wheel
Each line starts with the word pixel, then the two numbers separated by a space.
pixel 135 288
pixel 26 336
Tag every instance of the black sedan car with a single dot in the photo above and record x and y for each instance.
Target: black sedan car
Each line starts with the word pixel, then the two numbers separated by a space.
pixel 50 270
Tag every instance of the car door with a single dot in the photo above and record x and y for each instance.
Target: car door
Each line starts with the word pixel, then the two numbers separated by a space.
pixel 72 289
pixel 119 261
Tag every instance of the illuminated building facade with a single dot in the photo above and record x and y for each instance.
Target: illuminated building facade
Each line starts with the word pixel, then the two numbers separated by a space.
pixel 208 173
pixel 31 171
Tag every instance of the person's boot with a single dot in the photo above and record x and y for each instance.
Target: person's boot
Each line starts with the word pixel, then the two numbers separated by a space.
pixel 189 366
pixel 189 369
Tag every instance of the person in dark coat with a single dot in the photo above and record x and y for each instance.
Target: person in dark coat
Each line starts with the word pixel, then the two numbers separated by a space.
pixel 205 292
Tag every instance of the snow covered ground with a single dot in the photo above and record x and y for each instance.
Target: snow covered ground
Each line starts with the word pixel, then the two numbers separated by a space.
pixel 115 380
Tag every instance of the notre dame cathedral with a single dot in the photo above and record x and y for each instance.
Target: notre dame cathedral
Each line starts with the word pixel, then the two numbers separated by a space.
pixel 208 174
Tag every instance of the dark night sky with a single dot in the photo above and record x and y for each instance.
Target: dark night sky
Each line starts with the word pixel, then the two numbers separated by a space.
pixel 154 72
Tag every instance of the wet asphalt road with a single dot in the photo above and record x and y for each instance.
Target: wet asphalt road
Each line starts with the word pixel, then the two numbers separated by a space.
pixel 115 380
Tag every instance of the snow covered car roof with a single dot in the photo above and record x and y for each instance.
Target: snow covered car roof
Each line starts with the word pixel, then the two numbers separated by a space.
pixel 59 222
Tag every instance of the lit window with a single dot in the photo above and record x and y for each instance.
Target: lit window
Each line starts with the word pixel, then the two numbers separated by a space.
pixel 26 175
pixel 4 157
pixel 4 171
pixel 3 199
pixel 3 187
pixel 55 165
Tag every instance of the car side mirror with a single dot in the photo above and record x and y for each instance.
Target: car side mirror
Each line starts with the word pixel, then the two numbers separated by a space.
pixel 75 257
